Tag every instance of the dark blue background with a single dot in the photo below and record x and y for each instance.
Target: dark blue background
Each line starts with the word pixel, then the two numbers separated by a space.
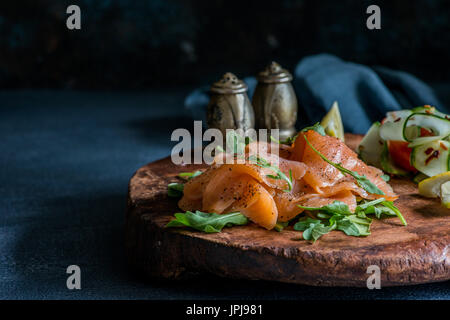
pixel 147 43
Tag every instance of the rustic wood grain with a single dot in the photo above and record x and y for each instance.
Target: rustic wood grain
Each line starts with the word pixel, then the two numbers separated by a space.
pixel 417 253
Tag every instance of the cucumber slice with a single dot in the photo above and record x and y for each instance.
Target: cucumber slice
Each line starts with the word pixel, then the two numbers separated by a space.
pixel 411 133
pixel 431 158
pixel 439 126
pixel 371 146
pixel 422 140
pixel 431 110
pixel 392 116
pixel 392 126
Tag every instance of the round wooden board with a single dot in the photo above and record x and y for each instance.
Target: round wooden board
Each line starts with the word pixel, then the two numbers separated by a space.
pixel 417 253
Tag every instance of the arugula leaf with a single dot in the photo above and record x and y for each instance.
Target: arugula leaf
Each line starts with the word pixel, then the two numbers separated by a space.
pixel 263 163
pixel 374 207
pixel 312 229
pixel 337 207
pixel 340 217
pixel 275 140
pixel 279 226
pixel 289 140
pixel 361 180
pixel 378 211
pixel 345 225
pixel 305 223
pixel 365 205
pixel 175 189
pixel 315 232
pixel 190 175
pixel 380 207
pixel 207 222
pixel 316 127
pixel 391 206
pixel 353 225
pixel 322 215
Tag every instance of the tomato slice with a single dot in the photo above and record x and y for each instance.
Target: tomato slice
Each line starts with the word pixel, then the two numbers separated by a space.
pixel 425 132
pixel 400 153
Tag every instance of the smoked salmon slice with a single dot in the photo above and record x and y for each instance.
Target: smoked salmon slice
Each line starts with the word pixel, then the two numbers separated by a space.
pixel 322 176
pixel 256 191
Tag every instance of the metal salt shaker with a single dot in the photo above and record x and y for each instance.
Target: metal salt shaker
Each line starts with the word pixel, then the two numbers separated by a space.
pixel 229 106
pixel 274 101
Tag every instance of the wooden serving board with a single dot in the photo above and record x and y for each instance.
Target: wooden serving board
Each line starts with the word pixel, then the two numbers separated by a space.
pixel 417 253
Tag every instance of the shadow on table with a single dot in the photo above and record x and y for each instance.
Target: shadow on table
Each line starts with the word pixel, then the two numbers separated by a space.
pixel 87 231
pixel 159 128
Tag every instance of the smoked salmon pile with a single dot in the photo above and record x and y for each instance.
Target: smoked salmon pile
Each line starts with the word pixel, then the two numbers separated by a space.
pixel 261 192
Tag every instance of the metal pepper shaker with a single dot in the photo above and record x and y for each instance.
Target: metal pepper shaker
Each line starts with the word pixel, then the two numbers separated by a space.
pixel 229 106
pixel 274 101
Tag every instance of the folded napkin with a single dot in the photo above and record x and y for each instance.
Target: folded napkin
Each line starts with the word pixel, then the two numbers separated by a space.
pixel 364 94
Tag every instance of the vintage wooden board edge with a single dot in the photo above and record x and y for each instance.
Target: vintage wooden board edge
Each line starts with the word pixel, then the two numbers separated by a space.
pixel 418 253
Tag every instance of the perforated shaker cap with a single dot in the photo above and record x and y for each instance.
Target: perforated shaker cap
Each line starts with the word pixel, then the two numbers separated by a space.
pixel 274 73
pixel 229 84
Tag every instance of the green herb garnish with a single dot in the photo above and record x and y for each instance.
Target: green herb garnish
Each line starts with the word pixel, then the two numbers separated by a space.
pixel 207 222
pixel 175 189
pixel 312 229
pixel 337 216
pixel 379 207
pixel 289 140
pixel 316 127
pixel 279 226
pixel 364 205
pixel 337 207
pixel 275 140
pixel 391 206
pixel 352 225
pixel 361 180
pixel 190 175
pixel 263 163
